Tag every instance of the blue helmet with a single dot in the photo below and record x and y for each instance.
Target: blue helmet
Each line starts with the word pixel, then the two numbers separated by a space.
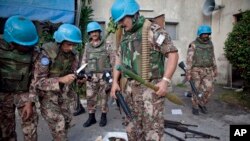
pixel 204 29
pixel 69 33
pixel 20 30
pixel 92 26
pixel 122 8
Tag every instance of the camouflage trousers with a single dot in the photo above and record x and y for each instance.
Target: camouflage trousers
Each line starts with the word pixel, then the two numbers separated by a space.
pixel 8 104
pixel 203 80
pixel 96 88
pixel 55 109
pixel 148 108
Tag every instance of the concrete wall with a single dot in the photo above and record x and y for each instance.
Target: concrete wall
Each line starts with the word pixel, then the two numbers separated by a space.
pixel 188 15
pixel 222 24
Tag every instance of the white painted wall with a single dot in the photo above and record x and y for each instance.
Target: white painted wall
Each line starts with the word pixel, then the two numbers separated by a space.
pixel 188 15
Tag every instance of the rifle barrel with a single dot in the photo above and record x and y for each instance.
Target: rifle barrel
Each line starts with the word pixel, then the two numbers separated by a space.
pixel 204 135
pixel 167 122
pixel 172 135
pixel 185 129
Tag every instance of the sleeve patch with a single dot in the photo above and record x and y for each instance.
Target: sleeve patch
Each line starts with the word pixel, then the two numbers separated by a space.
pixel 160 39
pixel 45 61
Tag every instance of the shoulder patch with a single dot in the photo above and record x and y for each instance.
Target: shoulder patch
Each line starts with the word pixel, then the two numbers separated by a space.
pixel 45 61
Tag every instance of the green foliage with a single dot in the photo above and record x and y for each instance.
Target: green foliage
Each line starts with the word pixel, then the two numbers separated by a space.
pixel 86 17
pixel 85 2
pixel 112 26
pixel 181 85
pixel 48 30
pixel 241 99
pixel 237 46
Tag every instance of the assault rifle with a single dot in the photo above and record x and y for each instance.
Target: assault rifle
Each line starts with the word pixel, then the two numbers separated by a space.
pixel 194 89
pixel 167 123
pixel 182 128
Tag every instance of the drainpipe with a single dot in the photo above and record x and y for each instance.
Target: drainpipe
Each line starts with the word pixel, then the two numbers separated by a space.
pixel 78 8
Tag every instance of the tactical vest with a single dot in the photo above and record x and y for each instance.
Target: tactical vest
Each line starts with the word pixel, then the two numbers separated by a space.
pixel 15 69
pixel 61 63
pixel 203 54
pixel 131 48
pixel 97 58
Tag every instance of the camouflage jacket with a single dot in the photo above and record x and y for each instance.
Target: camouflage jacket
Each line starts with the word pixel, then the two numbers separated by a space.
pixel 130 50
pixel 99 57
pixel 193 60
pixel 45 80
pixel 16 71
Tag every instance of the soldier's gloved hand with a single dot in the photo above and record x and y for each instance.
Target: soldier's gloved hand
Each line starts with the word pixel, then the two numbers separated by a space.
pixel 27 111
pixel 67 79
pixel 115 87
pixel 163 87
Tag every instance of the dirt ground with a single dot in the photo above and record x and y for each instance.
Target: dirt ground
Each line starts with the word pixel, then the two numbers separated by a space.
pixel 217 122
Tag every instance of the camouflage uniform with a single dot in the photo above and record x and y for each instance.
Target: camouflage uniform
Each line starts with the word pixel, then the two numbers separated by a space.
pixel 201 66
pixel 55 97
pixel 99 58
pixel 146 105
pixel 15 72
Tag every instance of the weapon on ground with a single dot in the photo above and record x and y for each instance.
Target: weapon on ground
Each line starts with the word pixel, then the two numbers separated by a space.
pixel 184 129
pixel 168 122
pixel 183 67
pixel 170 97
pixel 174 136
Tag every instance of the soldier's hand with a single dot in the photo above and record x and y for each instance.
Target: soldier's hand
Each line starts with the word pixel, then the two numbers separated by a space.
pixel 115 87
pixel 163 86
pixel 27 111
pixel 67 79
pixel 188 77
pixel 81 81
pixel 215 73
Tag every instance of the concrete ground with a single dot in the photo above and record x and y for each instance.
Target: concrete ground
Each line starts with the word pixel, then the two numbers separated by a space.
pixel 217 122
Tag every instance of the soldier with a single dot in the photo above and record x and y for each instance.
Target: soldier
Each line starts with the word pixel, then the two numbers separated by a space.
pixel 53 74
pixel 16 59
pixel 201 68
pixel 146 104
pixel 97 54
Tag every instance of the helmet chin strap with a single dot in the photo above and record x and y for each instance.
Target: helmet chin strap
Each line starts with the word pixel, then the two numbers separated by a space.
pixel 205 39
pixel 135 18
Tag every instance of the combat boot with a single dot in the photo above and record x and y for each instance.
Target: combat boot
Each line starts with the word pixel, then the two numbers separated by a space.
pixel 79 110
pixel 203 109
pixel 195 111
pixel 91 120
pixel 103 120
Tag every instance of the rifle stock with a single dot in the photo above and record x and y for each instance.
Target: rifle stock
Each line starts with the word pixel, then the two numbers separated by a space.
pixel 184 129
